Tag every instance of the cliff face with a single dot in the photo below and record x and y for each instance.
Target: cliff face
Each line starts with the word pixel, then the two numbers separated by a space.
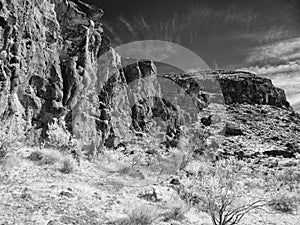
pixel 31 80
pixel 56 62
pixel 51 65
pixel 241 87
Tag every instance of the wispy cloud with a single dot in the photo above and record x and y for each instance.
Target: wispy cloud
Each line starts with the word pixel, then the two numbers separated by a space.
pixel 187 26
pixel 276 53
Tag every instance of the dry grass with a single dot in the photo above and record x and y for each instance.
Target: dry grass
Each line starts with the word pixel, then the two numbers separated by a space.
pixel 10 162
pixel 68 165
pixel 284 204
pixel 142 215
pixel 219 191
pixel 46 156
pixel 175 213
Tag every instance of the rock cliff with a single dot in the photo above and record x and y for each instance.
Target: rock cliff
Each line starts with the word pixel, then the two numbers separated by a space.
pixel 56 62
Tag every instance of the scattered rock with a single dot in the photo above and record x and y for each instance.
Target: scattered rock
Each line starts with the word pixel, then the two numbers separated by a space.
pixel 206 121
pixel 175 181
pixel 26 195
pixel 278 153
pixel 53 222
pixel 231 130
pixel 151 151
pixel 288 163
pixel 212 119
pixel 66 194
pixel 293 147
pixel 271 162
pixel 137 174
pixel 149 195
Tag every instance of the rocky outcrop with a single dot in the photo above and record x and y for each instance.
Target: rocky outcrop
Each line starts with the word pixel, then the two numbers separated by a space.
pixel 230 87
pixel 31 80
pixel 56 62
pixel 243 87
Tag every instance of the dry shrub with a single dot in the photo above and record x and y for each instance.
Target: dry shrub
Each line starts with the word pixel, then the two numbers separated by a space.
pixel 141 215
pixel 68 165
pixel 284 204
pixel 46 156
pixel 192 141
pixel 58 135
pixel 220 191
pixel 175 213
pixel 283 188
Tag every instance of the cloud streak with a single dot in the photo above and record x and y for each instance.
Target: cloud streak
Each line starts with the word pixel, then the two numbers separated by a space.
pixel 276 53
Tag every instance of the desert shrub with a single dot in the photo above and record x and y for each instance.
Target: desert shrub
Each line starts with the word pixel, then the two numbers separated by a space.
pixel 284 204
pixel 290 177
pixel 179 157
pixel 283 188
pixel 187 151
pixel 220 191
pixel 36 156
pixel 175 213
pixel 58 135
pixel 141 215
pixel 45 156
pixel 191 142
pixel 68 165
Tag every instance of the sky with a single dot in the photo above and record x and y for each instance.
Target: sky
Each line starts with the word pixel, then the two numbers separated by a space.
pixel 261 36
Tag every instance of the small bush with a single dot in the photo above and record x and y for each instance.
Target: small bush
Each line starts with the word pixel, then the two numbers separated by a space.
pixel 46 156
pixel 175 213
pixel 68 165
pixel 36 156
pixel 220 192
pixel 58 135
pixel 139 216
pixel 284 204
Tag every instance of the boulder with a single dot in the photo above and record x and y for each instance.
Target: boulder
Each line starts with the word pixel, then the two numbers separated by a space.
pixel 278 153
pixel 232 130
pixel 211 119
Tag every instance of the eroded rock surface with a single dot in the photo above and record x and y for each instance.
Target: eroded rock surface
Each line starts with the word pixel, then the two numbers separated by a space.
pixel 56 62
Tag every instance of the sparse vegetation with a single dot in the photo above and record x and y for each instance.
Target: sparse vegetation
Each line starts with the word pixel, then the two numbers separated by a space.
pixel 8 137
pixel 10 162
pixel 175 213
pixel 284 204
pixel 68 165
pixel 45 156
pixel 58 135
pixel 221 193
pixel 141 215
